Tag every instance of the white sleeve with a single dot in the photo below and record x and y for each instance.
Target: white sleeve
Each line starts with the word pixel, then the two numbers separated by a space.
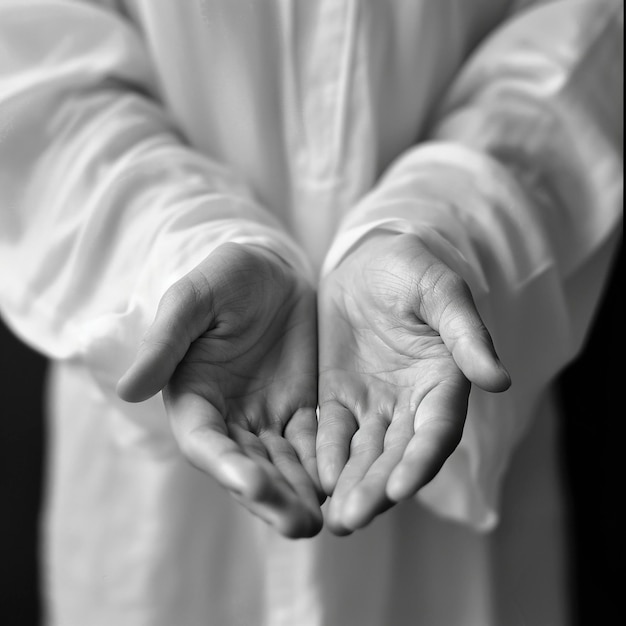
pixel 519 188
pixel 102 204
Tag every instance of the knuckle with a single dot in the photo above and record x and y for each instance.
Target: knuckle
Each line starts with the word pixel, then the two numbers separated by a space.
pixel 439 280
pixel 326 444
pixel 440 293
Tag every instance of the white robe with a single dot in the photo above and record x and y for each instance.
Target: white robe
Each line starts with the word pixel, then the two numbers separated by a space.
pixel 138 135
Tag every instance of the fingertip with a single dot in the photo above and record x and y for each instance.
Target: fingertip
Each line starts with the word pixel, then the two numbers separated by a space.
pixel 302 526
pixel 492 376
pixel 398 489
pixel 356 512
pixel 502 380
pixel 130 389
pixel 338 529
pixel 123 390
pixel 316 523
pixel 333 518
pixel 329 475
pixel 406 480
pixel 144 378
pixel 292 516
pixel 480 364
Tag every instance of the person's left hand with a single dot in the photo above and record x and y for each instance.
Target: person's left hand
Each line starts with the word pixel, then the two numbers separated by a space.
pixel 400 342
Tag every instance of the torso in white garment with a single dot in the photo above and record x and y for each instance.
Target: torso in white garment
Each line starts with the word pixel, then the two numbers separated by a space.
pixel 307 102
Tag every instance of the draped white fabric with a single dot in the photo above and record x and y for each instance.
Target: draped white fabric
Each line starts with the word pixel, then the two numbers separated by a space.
pixel 136 136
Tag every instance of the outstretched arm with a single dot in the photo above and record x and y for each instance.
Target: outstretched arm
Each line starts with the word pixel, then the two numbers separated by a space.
pixel 518 190
pixel 104 206
pixel 234 348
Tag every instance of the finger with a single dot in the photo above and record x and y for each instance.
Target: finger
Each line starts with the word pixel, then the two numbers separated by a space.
pixel 203 438
pixel 335 430
pixel 287 522
pixel 241 467
pixel 304 500
pixel 366 447
pixel 301 432
pixel 438 428
pixel 444 301
pixel 248 441
pixel 275 490
pixel 183 314
pixel 290 506
pixel 286 461
pixel 368 497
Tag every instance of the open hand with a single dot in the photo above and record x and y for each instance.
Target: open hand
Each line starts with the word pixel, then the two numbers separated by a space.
pixel 400 342
pixel 234 348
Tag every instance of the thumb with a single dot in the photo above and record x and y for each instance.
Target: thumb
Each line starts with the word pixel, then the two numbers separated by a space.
pixel 444 301
pixel 183 314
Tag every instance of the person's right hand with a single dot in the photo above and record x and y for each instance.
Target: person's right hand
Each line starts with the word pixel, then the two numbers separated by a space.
pixel 234 348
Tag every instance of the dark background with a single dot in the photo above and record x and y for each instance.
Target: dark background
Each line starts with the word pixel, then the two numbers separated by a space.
pixel 591 389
